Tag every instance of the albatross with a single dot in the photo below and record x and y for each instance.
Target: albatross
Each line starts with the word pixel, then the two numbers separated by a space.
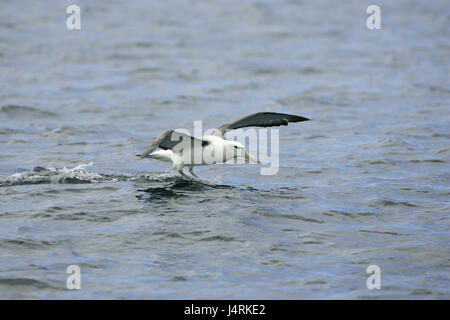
pixel 184 150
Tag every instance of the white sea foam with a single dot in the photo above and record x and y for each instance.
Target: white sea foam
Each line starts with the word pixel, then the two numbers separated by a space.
pixel 77 174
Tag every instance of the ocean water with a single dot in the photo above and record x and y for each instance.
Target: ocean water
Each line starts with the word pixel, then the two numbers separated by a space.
pixel 365 182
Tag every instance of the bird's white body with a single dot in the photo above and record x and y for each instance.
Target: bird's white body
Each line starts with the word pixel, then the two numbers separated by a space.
pixel 162 155
pixel 218 150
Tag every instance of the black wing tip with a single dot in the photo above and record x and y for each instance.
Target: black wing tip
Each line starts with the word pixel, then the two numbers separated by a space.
pixel 289 117
pixel 302 119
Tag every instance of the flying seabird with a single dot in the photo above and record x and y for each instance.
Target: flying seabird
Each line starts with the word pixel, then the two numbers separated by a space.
pixel 186 151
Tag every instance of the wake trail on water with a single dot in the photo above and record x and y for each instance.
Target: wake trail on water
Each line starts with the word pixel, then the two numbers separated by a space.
pixel 77 174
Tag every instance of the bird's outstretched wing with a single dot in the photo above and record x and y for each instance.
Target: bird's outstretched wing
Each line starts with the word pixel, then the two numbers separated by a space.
pixel 173 140
pixel 260 119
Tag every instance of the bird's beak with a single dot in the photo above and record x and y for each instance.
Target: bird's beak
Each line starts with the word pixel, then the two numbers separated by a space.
pixel 250 158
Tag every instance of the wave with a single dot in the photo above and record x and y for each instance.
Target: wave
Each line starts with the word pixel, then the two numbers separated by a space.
pixel 40 175
pixel 17 111
pixel 81 174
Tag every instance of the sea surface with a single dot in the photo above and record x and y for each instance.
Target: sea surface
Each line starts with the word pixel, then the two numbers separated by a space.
pixel 365 182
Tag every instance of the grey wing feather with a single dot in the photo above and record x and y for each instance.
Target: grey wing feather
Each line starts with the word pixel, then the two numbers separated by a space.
pixel 260 119
pixel 170 140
